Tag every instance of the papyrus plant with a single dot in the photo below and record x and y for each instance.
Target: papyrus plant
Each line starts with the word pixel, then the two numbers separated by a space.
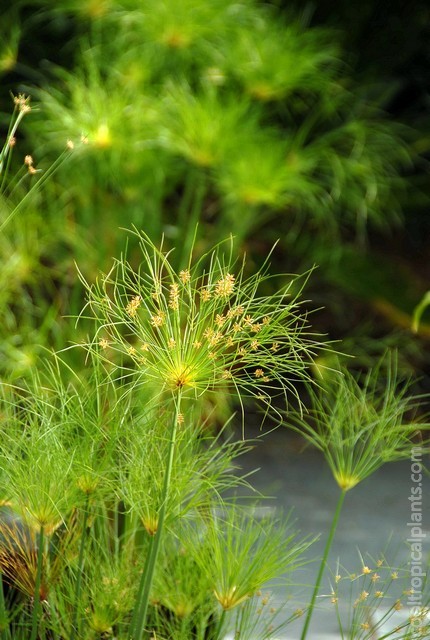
pixel 359 424
pixel 205 328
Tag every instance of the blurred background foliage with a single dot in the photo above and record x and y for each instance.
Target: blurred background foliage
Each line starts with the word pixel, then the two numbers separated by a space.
pixel 291 121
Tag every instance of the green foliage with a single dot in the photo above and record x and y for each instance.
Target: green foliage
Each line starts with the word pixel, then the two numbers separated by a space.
pixel 119 512
pixel 219 83
pixel 361 425
pixel 191 121
pixel 84 497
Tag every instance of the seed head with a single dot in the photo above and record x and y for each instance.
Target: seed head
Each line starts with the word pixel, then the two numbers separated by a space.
pixel 157 320
pixel 185 275
pixel 174 296
pixel 225 286
pixel 133 306
pixel 202 335
pixel 205 295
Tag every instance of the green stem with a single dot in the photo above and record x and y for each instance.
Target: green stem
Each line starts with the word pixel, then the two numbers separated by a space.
pixel 75 622
pixel 219 626
pixel 323 563
pixel 4 625
pixel 36 603
pixel 50 171
pixel 141 589
pixel 139 621
pixel 116 529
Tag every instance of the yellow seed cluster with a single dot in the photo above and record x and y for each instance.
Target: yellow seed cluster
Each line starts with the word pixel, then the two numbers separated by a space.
pixel 185 275
pixel 220 320
pixel 225 286
pixel 174 296
pixel 157 320
pixel 234 312
pixel 29 162
pixel 205 295
pixel 21 101
pixel 213 337
pixel 133 306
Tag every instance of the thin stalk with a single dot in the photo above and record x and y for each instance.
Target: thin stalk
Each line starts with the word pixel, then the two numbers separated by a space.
pixel 339 622
pixel 323 563
pixel 139 621
pixel 220 625
pixel 116 529
pixel 50 171
pixel 75 621
pixel 140 592
pixel 6 152
pixel 36 603
pixel 3 613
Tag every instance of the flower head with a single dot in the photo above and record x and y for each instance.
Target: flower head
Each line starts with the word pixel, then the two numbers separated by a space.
pixel 199 331
pixel 361 423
